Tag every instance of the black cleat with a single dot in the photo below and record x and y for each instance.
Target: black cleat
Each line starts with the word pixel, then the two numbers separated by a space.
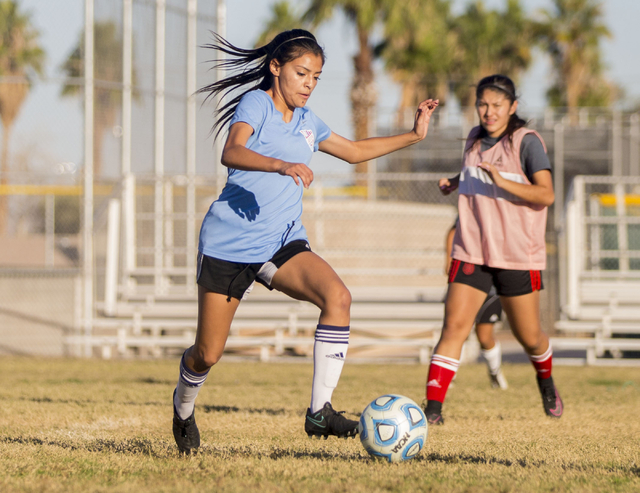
pixel 185 432
pixel 551 400
pixel 433 412
pixel 329 422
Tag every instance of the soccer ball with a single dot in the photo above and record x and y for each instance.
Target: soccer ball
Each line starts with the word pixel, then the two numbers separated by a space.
pixel 394 427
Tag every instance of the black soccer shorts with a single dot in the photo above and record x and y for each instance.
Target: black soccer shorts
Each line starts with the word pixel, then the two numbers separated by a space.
pixel 234 279
pixel 506 281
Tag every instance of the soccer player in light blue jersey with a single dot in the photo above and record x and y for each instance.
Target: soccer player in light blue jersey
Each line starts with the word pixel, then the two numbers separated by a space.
pixel 253 231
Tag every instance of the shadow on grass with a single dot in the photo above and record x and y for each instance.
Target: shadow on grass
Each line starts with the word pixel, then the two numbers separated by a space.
pixel 160 449
pixel 135 446
pixel 83 402
pixel 278 453
pixel 156 381
pixel 475 459
pixel 168 450
pixel 524 463
pixel 235 409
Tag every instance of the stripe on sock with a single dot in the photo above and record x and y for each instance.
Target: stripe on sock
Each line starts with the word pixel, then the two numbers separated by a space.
pixel 542 357
pixel 332 333
pixel 190 377
pixel 445 362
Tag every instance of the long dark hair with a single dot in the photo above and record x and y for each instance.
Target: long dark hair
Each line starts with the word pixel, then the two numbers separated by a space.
pixel 505 86
pixel 252 68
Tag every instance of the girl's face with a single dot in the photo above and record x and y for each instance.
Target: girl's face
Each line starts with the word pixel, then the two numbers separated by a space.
pixel 295 80
pixel 495 110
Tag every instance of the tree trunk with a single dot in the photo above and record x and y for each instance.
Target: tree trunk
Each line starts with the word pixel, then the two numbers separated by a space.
pixel 363 95
pixel 104 119
pixel 4 180
pixel 12 95
pixel 574 80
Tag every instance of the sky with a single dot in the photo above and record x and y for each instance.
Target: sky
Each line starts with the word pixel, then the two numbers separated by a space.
pixel 48 127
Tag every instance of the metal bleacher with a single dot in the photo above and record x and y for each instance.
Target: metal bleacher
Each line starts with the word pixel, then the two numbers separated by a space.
pixel 270 324
pixel 601 310
pixel 148 307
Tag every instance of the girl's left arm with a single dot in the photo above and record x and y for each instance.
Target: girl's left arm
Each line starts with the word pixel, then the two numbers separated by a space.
pixel 366 149
pixel 540 192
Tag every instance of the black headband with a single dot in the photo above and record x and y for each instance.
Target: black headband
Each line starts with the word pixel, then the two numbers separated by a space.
pixel 496 86
pixel 290 39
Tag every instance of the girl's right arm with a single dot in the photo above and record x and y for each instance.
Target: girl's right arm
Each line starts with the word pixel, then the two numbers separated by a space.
pixel 448 185
pixel 235 155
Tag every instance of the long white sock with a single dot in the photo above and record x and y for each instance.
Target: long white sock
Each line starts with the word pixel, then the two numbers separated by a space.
pixel 329 353
pixel 189 384
pixel 493 357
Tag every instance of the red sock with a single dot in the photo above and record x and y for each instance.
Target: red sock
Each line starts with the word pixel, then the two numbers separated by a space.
pixel 441 372
pixel 543 363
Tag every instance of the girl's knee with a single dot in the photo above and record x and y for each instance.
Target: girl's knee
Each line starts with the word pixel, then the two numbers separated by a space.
pixel 205 357
pixel 455 331
pixel 533 342
pixel 339 299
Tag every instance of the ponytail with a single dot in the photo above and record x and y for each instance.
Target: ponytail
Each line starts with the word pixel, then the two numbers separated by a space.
pixel 251 68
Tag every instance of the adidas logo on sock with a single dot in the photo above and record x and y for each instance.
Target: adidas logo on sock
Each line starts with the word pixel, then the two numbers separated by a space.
pixel 336 356
pixel 434 383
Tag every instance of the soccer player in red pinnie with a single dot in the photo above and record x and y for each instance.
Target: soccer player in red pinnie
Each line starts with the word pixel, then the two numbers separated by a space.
pixel 505 188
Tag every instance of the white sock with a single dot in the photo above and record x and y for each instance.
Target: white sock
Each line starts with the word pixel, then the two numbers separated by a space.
pixel 189 384
pixel 329 353
pixel 493 357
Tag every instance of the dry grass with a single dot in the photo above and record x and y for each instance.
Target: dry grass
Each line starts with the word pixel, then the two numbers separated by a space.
pixel 77 426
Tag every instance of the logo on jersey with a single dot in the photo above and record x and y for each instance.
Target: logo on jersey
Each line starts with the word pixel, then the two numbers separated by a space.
pixel 468 268
pixel 309 137
pixel 498 161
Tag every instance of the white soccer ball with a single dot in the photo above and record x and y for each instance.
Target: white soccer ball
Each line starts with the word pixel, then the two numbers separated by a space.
pixel 393 427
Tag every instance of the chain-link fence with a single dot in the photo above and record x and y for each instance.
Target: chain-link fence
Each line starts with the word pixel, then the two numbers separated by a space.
pixel 146 146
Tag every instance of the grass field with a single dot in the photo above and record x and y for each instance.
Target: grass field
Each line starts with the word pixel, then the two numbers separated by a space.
pixel 77 426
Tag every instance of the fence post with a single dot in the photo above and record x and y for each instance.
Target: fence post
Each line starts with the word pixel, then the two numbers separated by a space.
pixel 87 236
pixel 372 179
pixel 113 258
pixel 49 230
pixel 128 180
pixel 634 145
pixel 572 261
pixel 616 137
pixel 192 27
pixel 221 29
pixel 558 174
pixel 160 39
pixel 595 237
pixel 549 115
pixel 621 224
pixel 319 214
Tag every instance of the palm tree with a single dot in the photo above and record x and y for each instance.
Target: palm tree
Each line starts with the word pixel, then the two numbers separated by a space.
pixel 419 50
pixel 107 74
pixel 571 33
pixel 491 42
pixel 364 14
pixel 283 18
pixel 20 56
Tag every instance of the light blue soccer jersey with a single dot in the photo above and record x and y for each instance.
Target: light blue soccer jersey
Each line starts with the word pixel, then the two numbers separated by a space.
pixel 258 212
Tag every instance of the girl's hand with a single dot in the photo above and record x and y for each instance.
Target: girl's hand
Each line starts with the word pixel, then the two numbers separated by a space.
pixel 297 171
pixel 493 173
pixel 448 185
pixel 423 115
